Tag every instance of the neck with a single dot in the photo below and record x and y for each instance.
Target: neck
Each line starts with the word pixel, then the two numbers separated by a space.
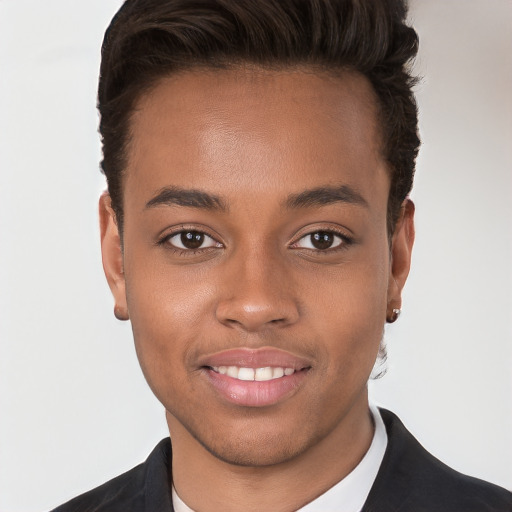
pixel 206 483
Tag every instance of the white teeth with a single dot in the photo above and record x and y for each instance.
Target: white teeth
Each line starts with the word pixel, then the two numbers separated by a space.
pixel 232 371
pixel 246 374
pixel 258 374
pixel 277 373
pixel 263 374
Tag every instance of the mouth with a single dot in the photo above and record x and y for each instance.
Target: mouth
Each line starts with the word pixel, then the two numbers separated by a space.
pixel 255 378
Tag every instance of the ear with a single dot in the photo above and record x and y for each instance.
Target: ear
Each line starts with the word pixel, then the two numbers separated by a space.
pixel 401 249
pixel 112 256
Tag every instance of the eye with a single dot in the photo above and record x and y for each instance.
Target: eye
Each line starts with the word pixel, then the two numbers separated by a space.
pixel 320 241
pixel 191 240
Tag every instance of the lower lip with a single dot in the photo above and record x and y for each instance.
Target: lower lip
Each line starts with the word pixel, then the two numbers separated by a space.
pixel 253 393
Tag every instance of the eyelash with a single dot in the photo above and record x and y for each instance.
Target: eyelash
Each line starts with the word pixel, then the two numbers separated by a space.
pixel 165 241
pixel 346 241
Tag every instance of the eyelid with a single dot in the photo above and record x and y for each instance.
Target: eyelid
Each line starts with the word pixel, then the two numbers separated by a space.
pixel 346 239
pixel 334 246
pixel 168 234
pixel 179 233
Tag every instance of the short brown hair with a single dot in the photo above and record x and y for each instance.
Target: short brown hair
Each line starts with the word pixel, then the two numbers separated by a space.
pixel 150 39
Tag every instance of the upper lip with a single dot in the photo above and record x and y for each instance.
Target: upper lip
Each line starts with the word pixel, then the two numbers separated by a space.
pixel 255 358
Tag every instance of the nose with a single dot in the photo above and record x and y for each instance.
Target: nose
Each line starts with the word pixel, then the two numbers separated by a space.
pixel 257 294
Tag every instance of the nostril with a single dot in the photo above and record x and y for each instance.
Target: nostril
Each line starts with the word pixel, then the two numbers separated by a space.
pixel 256 303
pixel 251 316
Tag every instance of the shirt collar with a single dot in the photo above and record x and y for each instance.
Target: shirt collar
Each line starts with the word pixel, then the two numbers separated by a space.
pixel 351 492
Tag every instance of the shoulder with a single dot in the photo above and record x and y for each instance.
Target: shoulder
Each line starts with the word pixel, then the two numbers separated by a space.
pixel 145 487
pixel 410 478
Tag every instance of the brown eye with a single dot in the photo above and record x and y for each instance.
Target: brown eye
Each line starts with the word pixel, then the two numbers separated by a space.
pixel 320 240
pixel 192 240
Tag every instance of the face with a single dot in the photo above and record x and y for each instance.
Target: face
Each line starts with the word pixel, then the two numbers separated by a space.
pixel 257 270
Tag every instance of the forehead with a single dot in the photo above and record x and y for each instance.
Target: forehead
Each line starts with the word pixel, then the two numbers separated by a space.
pixel 250 129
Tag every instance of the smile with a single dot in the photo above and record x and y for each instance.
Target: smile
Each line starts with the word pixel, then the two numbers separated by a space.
pixel 254 377
pixel 254 374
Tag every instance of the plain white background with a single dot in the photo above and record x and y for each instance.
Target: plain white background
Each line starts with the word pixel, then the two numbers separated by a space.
pixel 74 407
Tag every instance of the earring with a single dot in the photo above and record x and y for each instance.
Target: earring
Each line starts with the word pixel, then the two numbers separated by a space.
pixel 394 316
pixel 120 314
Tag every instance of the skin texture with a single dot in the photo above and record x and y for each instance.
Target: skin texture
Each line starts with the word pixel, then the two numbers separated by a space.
pixel 255 139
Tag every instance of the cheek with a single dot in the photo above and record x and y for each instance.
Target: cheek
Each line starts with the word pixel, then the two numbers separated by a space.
pixel 160 294
pixel 168 308
pixel 350 313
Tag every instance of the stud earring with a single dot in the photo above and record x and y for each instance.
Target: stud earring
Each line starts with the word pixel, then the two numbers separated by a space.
pixel 394 316
pixel 120 314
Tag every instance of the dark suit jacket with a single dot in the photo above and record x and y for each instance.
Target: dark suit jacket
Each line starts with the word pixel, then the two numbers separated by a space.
pixel 409 480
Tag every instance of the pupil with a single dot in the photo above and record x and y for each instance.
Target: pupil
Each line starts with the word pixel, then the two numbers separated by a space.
pixel 192 239
pixel 322 240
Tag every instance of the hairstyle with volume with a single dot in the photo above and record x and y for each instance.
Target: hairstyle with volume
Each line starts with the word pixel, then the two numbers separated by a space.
pixel 150 39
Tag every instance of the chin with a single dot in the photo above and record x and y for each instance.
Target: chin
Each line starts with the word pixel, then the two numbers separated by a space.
pixel 254 454
pixel 255 446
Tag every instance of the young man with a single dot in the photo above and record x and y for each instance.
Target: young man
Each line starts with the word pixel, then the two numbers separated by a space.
pixel 257 233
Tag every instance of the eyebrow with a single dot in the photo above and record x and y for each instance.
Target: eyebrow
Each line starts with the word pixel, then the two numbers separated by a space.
pixel 319 196
pixel 322 196
pixel 190 198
